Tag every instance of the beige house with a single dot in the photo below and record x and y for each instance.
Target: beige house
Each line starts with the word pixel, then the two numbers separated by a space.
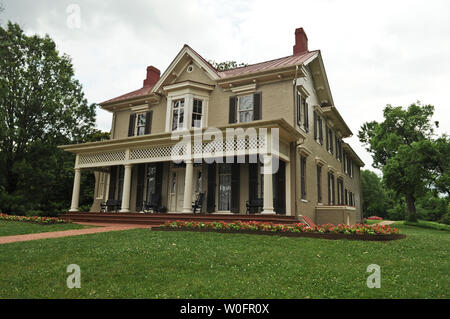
pixel 296 164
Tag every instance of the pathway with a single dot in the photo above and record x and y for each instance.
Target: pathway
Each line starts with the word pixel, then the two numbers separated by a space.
pixel 102 228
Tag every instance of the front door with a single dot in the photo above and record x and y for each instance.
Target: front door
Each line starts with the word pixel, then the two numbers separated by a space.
pixel 176 193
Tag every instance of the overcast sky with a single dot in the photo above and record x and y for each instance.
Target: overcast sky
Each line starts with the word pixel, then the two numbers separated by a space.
pixel 375 52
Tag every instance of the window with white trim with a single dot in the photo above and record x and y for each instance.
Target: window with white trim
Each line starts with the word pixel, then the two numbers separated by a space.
pixel 177 114
pixel 245 108
pixel 197 110
pixel 140 124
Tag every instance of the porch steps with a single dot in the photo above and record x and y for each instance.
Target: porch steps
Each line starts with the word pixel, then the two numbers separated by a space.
pixel 159 219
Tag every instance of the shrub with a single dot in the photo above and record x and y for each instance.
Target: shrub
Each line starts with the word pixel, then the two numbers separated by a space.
pixel 358 229
pixel 33 219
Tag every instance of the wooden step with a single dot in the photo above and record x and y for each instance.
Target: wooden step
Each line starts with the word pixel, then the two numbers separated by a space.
pixel 159 219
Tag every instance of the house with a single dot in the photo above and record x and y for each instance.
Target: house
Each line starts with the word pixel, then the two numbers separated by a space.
pixel 291 153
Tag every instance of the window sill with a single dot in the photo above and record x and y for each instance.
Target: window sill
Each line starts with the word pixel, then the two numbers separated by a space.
pixel 304 200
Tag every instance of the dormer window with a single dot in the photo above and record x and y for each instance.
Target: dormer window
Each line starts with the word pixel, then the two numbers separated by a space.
pixel 177 114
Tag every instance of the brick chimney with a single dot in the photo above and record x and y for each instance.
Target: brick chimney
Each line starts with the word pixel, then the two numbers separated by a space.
pixel 153 75
pixel 301 41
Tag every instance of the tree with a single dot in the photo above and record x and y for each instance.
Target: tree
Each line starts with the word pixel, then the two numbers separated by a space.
pixel 403 147
pixel 42 106
pixel 374 195
pixel 226 65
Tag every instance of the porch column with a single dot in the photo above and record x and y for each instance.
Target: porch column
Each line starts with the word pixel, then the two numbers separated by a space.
pixel 187 202
pixel 76 191
pixel 288 188
pixel 268 187
pixel 126 189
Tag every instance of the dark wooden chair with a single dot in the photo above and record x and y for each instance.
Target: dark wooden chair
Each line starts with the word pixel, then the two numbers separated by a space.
pixel 254 205
pixel 111 205
pixel 198 203
pixel 154 205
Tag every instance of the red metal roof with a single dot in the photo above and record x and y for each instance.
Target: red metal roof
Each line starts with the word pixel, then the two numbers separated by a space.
pixel 134 94
pixel 268 65
pixel 287 61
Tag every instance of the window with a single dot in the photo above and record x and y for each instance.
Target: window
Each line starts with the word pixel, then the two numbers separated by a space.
pixel 120 188
pixel 199 182
pixel 177 114
pixel 331 193
pixel 319 120
pixel 350 197
pixel 305 115
pixel 340 184
pixel 319 184
pixel 346 197
pixel 197 113
pixel 151 181
pixel 318 129
pixel 299 109
pixel 140 124
pixel 348 165
pixel 174 183
pixel 224 187
pixel 245 108
pixel 303 177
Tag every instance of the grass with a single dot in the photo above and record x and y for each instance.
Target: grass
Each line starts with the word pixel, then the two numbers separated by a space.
pixel 140 263
pixel 10 228
pixel 428 224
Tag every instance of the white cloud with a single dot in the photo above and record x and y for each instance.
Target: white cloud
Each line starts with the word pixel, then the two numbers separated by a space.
pixel 375 53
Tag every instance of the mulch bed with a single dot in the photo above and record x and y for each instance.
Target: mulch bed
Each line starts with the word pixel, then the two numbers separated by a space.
pixel 291 234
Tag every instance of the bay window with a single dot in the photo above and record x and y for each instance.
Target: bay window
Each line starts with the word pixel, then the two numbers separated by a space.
pixel 177 114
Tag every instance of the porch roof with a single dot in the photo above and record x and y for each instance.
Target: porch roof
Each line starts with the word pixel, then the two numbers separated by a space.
pixel 287 133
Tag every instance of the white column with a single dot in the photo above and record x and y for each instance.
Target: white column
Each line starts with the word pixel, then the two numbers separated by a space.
pixel 187 201
pixel 268 187
pixel 126 189
pixel 76 191
pixel 288 188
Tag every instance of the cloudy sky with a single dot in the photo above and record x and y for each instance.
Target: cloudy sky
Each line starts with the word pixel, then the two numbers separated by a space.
pixel 375 52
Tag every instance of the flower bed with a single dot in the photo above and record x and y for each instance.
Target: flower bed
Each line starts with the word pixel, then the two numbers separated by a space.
pixel 374 218
pixel 329 231
pixel 33 219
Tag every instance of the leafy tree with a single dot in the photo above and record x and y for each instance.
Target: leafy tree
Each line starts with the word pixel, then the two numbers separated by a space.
pixel 42 106
pixel 226 65
pixel 374 195
pixel 403 147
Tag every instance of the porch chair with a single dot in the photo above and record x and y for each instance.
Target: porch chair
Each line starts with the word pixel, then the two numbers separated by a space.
pixel 254 206
pixel 198 203
pixel 110 205
pixel 153 205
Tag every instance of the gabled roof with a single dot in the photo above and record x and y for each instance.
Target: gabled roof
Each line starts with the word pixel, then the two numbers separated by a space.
pixel 271 65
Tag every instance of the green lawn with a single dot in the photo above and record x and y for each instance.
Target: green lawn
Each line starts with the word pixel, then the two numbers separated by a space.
pixel 144 264
pixel 9 228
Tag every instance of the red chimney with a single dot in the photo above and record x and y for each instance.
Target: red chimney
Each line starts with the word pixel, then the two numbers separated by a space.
pixel 153 75
pixel 301 41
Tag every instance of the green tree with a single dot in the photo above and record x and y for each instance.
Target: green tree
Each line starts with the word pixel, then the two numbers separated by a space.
pixel 404 148
pixel 42 106
pixel 374 195
pixel 226 65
